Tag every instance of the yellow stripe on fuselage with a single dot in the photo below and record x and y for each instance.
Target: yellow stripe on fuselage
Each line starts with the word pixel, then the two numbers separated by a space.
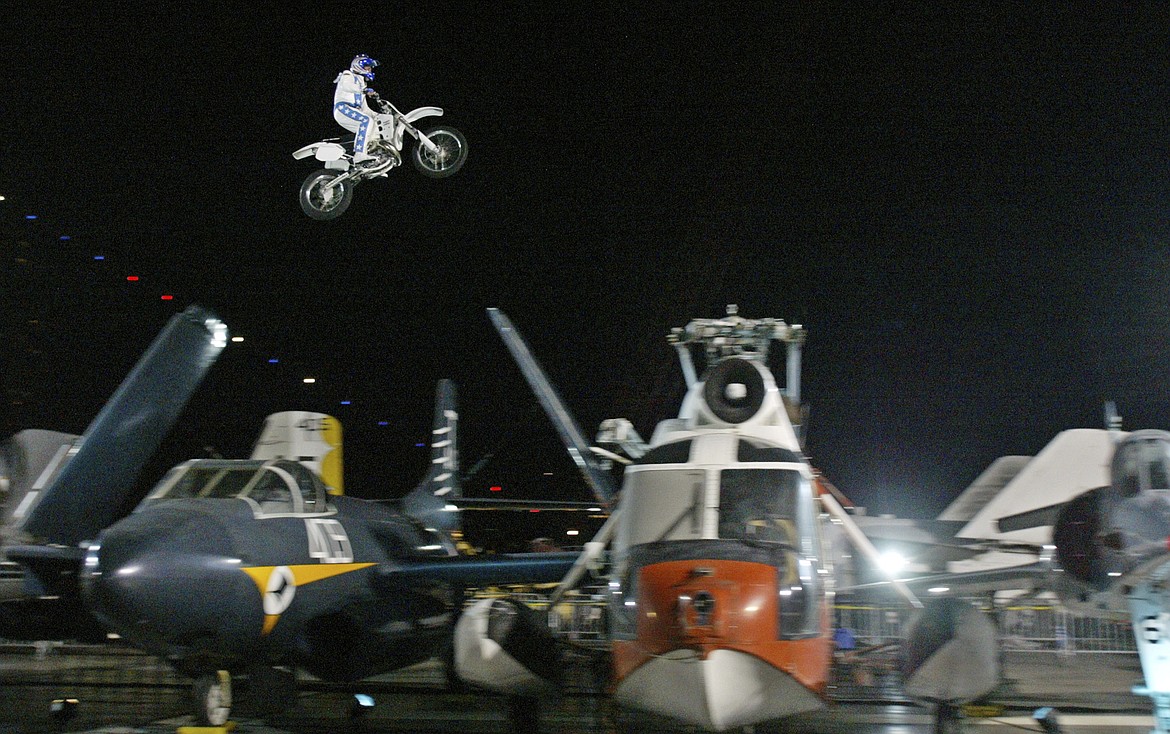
pixel 302 574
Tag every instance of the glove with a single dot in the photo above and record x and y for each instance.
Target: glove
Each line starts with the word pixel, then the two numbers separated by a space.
pixel 372 94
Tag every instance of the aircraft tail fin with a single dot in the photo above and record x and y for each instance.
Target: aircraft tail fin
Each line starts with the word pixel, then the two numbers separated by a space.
pixel 313 439
pixel 99 470
pixel 430 502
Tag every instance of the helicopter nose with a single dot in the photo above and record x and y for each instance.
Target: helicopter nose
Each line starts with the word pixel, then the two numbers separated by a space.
pixel 166 577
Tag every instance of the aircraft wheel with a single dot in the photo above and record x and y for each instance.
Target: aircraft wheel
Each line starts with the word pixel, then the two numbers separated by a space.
pixel 213 698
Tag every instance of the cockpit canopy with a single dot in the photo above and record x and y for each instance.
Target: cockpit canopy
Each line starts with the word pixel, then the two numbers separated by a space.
pixel 1142 462
pixel 275 487
pixel 719 487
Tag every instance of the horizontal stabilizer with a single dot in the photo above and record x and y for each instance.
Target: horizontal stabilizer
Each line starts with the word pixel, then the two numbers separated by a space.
pixel 93 487
pixel 489 570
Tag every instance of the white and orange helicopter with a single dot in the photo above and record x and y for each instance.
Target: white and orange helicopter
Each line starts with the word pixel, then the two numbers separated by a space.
pixel 720 571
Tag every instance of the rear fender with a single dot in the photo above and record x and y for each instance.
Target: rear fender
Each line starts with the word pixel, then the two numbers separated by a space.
pixel 322 151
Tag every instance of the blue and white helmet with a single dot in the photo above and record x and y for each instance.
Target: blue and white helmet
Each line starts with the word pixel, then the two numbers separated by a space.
pixel 363 65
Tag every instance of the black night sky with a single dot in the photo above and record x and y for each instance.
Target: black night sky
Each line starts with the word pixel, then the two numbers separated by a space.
pixel 967 209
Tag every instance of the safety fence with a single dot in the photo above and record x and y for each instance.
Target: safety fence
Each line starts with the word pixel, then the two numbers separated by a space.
pixel 1023 628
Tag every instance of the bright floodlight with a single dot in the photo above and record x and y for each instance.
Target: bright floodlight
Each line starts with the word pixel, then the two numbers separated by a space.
pixel 891 562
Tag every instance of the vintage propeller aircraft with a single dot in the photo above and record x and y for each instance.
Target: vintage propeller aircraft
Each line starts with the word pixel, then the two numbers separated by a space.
pixel 59 490
pixel 720 576
pixel 259 566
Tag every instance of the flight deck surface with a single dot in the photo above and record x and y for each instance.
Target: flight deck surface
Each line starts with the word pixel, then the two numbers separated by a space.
pixel 123 692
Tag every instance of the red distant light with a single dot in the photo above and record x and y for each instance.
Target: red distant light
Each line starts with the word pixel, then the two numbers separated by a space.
pixel 168 298
pixel 132 278
pixel 496 488
pixel 534 510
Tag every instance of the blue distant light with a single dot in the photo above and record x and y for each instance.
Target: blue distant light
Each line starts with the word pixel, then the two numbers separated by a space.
pixel 345 402
pixel 30 216
pixel 274 360
pixel 64 238
pixel 383 423
pixel 99 257
pixel 420 445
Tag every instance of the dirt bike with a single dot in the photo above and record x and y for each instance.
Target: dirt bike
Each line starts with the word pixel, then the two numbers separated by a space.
pixel 439 153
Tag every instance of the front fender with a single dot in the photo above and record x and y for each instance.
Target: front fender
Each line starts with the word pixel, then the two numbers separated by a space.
pixel 421 112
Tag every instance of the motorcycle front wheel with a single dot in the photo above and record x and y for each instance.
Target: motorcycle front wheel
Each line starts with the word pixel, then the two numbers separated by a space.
pixel 321 201
pixel 449 156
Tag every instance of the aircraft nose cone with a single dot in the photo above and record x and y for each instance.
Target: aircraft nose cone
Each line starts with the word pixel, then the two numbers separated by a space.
pixel 167 577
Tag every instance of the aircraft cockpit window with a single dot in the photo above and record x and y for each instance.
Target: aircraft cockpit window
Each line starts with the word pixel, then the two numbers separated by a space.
pixel 312 491
pixel 1142 465
pixel 759 505
pixel 748 451
pixel 678 452
pixel 229 483
pixel 1158 477
pixel 272 494
pixel 664 505
pixel 192 482
pixel 206 482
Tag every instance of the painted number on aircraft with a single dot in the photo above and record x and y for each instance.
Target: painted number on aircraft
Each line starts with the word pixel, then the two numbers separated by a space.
pixel 328 542
pixel 312 425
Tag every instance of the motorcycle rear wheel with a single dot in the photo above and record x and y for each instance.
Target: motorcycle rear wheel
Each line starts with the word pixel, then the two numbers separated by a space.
pixel 450 156
pixel 323 203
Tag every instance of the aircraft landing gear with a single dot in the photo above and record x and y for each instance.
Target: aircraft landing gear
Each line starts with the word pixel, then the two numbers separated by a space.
pixel 948 719
pixel 213 698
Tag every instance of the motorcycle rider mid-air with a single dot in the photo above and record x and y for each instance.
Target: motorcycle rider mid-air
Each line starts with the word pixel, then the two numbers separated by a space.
pixel 350 108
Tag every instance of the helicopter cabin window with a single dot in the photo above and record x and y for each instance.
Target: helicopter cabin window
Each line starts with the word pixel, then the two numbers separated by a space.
pixel 748 451
pixel 678 452
pixel 759 505
pixel 664 504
